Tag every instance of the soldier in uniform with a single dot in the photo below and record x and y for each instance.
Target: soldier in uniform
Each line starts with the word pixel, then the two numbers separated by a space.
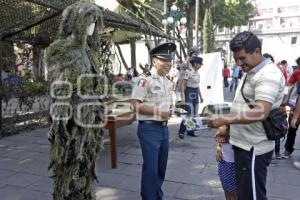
pixel 152 101
pixel 190 92
pixel 186 66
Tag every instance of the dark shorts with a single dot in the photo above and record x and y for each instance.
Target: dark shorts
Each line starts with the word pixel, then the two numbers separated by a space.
pixel 226 171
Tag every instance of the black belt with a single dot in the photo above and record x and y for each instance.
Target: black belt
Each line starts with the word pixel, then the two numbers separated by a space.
pixel 159 123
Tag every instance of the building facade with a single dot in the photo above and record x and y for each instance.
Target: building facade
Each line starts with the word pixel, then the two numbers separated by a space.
pixel 276 23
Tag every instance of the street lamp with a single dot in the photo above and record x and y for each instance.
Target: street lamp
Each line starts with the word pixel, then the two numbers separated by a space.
pixel 174 17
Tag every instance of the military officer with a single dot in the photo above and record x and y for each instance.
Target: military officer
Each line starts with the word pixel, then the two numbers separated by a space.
pixel 190 92
pixel 152 101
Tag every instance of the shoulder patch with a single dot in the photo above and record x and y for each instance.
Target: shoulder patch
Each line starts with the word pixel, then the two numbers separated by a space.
pixel 141 82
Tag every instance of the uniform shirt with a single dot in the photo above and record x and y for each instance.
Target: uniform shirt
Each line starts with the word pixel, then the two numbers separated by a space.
pixel 264 82
pixel 155 91
pixel 192 78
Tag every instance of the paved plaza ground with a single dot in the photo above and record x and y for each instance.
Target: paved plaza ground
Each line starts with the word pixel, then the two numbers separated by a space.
pixel 191 173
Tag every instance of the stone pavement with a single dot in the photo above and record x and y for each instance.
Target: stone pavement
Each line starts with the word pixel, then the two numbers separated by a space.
pixel 191 173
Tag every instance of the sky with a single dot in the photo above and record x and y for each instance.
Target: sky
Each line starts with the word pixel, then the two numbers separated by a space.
pixel 109 4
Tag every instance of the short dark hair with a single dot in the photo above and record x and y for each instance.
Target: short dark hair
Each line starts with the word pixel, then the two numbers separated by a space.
pixel 283 62
pixel 245 40
pixel 266 55
pixel 298 61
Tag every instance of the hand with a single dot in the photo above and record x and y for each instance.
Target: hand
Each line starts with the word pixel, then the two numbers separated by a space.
pixel 201 100
pixel 293 122
pixel 182 100
pixel 214 121
pixel 165 114
pixel 222 134
pixel 285 102
pixel 218 152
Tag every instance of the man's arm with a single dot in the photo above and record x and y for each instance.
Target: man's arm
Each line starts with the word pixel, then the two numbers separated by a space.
pixel 200 95
pixel 259 113
pixel 141 108
pixel 182 85
pixel 288 96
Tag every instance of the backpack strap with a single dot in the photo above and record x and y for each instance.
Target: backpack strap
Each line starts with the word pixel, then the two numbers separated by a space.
pixel 245 99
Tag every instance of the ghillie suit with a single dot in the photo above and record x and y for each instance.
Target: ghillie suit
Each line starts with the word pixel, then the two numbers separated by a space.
pixel 75 135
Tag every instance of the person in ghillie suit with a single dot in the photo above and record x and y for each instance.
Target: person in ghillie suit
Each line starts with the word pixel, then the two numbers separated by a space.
pixel 75 132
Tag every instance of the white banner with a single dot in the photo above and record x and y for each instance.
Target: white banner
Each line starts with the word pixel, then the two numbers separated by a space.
pixel 211 79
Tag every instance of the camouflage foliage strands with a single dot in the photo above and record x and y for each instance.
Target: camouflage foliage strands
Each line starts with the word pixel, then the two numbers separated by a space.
pixel 73 144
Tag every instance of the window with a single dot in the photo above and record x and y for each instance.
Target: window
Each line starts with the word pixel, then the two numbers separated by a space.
pixel 260 26
pixel 294 40
pixel 221 29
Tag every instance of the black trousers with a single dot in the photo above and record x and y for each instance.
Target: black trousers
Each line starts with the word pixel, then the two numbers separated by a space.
pixel 290 138
pixel 251 174
pixel 226 84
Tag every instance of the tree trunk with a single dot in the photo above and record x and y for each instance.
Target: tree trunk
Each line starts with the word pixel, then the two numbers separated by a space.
pixel 133 53
pixel 1 63
pixel 8 57
pixel 147 43
pixel 38 63
pixel 122 57
pixel 183 45
pixel 190 25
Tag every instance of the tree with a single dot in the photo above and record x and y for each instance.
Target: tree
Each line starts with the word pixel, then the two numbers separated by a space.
pixel 189 7
pixel 208 33
pixel 231 13
pixel 8 58
pixel 142 10
pixel 225 13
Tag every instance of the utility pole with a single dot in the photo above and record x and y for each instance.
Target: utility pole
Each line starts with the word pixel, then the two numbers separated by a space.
pixel 197 21
pixel 165 12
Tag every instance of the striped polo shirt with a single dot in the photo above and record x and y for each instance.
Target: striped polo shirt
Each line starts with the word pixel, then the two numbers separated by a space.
pixel 264 82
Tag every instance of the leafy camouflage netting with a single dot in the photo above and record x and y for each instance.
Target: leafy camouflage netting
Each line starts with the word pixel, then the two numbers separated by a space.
pixel 75 135
pixel 36 21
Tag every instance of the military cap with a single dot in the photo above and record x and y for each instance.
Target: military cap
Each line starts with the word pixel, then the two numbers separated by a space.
pixel 196 59
pixel 163 51
pixel 194 51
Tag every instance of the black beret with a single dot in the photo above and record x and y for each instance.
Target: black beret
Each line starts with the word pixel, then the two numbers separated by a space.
pixel 196 59
pixel 163 51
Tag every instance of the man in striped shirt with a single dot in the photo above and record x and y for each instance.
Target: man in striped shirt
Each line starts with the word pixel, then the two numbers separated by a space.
pixel 264 87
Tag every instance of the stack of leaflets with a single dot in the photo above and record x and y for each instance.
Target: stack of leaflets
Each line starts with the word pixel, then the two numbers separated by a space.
pixel 193 123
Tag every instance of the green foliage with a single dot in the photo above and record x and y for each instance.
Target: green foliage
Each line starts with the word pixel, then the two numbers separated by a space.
pixel 208 33
pixel 230 13
pixel 141 9
pixel 26 93
pixel 27 89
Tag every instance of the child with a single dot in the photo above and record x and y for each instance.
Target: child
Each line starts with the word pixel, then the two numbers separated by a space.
pixel 226 167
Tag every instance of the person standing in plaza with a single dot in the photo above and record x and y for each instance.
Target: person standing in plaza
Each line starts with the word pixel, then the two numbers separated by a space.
pixel 226 165
pixel 194 51
pixel 277 154
pixel 152 101
pixel 288 68
pixel 190 93
pixel 235 77
pixel 293 82
pixel 226 74
pixel 263 85
pixel 294 122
